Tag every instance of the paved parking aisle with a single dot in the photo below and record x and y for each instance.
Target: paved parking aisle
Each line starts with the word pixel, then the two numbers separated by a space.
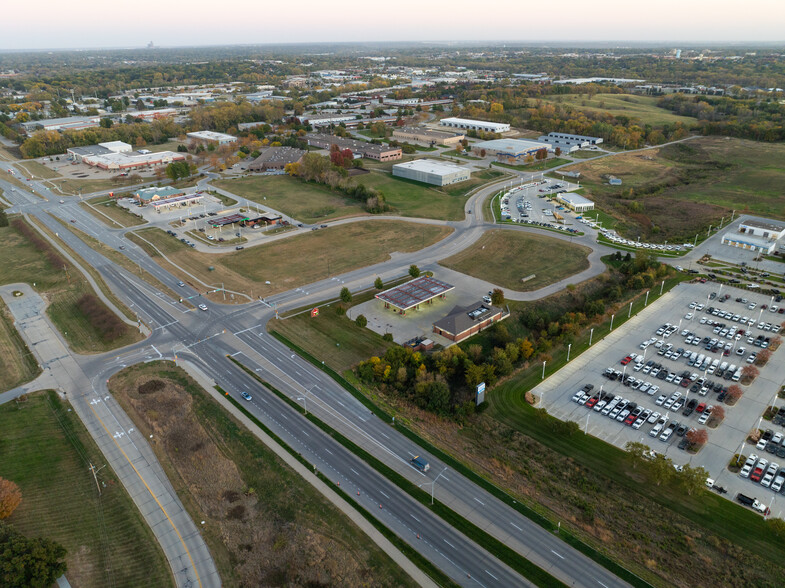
pixel 691 331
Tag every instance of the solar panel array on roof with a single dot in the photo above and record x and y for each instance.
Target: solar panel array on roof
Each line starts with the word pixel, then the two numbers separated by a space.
pixel 415 292
pixel 228 220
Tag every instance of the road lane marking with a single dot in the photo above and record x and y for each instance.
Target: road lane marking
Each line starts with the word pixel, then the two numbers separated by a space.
pixel 516 526
pixel 448 543
pixel 383 494
pixel 163 510
pixel 556 554
pixel 415 518
pixel 491 575
pixel 480 501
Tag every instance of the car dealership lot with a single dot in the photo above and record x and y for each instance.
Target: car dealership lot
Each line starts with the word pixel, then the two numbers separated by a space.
pixel 610 349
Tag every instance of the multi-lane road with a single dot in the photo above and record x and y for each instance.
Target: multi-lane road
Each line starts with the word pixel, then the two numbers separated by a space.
pixel 207 338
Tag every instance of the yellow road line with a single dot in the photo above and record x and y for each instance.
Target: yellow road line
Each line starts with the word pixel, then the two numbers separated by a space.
pixel 166 514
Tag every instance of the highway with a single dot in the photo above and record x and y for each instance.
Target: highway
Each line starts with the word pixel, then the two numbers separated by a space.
pixel 207 338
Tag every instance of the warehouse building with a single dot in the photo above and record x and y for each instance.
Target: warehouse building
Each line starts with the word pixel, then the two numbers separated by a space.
pixel 362 148
pixel 427 136
pixel 575 202
pixel 431 171
pixel 510 149
pixel 211 137
pixel 563 144
pixel 116 155
pixel 756 235
pixel 276 158
pixel 576 138
pixel 69 123
pixel 474 125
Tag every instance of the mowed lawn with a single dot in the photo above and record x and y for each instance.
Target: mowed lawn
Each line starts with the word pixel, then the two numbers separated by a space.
pixel 298 259
pixel 103 207
pixel 17 364
pixel 333 338
pixel 38 170
pixel 46 450
pixel 306 202
pixel 643 108
pixel 504 258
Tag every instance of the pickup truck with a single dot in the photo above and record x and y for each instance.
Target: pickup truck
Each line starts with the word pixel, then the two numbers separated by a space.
pixel 753 503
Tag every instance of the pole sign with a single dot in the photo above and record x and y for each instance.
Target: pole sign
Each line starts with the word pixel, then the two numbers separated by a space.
pixel 480 393
pixel 314 312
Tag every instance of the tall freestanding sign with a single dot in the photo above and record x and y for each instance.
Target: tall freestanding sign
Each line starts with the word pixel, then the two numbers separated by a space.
pixel 480 393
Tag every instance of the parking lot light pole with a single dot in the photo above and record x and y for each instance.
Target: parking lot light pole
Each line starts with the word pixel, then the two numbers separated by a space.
pixel 629 312
pixel 591 334
pixel 646 302
pixel 543 370
pixel 569 346
pixel 741 452
pixel 612 317
pixel 662 285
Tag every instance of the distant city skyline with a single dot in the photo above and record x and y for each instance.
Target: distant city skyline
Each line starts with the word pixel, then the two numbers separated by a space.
pixel 92 24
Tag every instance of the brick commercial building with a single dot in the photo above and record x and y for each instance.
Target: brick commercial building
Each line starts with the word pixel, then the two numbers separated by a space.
pixel 427 136
pixel 377 152
pixel 465 321
pixel 276 158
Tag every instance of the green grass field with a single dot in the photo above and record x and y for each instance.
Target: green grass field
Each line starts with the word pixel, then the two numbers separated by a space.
pixel 46 450
pixel 17 363
pixel 337 340
pixel 677 191
pixel 103 207
pixel 23 263
pixel 536 165
pixel 38 170
pixel 504 258
pixel 300 259
pixel 307 202
pixel 643 108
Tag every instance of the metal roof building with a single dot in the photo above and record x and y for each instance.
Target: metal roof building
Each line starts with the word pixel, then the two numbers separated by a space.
pixel 432 171
pixel 474 125
pixel 510 148
pixel 575 202
pixel 413 293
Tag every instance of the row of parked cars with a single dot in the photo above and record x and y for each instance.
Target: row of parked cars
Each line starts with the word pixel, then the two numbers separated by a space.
pixel 768 475
pixel 612 236
pixel 686 379
pixel 631 414
pixel 772 442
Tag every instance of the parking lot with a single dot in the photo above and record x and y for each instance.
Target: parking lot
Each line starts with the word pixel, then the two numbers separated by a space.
pixel 675 358
pixel 528 203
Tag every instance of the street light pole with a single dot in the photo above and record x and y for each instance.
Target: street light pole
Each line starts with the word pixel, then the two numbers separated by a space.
pixel 646 302
pixel 629 312
pixel 591 334
pixel 543 369
pixel 612 317
pixel 569 346
pixel 662 285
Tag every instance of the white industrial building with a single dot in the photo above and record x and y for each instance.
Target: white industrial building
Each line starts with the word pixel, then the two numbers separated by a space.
pixel 575 202
pixel 564 145
pixel 580 139
pixel 431 171
pixel 511 149
pixel 474 125
pixel 212 137
pixel 756 235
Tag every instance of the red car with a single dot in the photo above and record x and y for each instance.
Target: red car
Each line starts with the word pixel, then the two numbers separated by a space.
pixel 591 401
pixel 684 382
pixel 757 474
pixel 626 360
pixel 630 419
pixel 701 407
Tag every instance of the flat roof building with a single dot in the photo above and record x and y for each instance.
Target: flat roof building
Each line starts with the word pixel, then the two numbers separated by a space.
pixel 474 125
pixel 576 138
pixel 62 124
pixel 276 158
pixel 431 171
pixel 514 149
pixel 756 235
pixel 465 321
pixel 371 151
pixel 575 202
pixel 564 145
pixel 211 137
pixel 116 155
pixel 147 195
pixel 427 136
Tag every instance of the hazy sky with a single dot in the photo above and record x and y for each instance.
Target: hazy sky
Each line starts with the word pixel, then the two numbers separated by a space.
pixel 93 23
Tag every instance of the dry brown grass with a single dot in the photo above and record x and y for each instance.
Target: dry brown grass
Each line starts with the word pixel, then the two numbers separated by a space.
pixel 265 525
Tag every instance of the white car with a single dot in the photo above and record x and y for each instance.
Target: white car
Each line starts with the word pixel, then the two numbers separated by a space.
pixel 761 444
pixel 202 307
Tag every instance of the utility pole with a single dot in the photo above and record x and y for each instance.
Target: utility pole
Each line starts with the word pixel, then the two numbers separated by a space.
pixel 95 477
